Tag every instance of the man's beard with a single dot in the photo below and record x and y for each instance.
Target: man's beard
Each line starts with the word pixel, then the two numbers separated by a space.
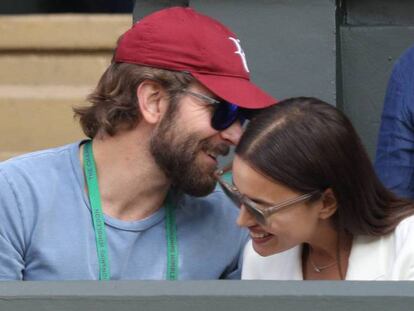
pixel 176 154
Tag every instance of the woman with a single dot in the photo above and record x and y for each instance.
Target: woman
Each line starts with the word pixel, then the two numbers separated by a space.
pixel 312 203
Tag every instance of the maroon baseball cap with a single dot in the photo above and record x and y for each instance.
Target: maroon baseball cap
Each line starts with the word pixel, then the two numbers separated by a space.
pixel 182 39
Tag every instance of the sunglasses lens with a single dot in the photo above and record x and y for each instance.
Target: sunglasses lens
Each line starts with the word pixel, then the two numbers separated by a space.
pixel 225 115
pixel 238 200
pixel 257 214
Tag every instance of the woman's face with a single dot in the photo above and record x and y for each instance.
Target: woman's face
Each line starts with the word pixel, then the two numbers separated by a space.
pixel 284 229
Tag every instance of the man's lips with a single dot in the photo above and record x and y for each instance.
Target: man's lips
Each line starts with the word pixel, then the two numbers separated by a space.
pixel 214 150
pixel 212 154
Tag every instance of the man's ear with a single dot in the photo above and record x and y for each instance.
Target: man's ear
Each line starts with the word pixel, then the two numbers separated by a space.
pixel 329 204
pixel 151 101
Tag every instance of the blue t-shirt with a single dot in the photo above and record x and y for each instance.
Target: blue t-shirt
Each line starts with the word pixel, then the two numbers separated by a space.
pixel 46 230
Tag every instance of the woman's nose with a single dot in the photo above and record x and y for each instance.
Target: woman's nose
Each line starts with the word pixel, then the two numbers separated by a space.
pixel 245 219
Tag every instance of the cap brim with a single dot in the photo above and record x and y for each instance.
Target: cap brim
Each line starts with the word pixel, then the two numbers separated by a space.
pixel 238 91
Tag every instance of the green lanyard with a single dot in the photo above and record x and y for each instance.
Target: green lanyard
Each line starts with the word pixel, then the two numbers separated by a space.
pixel 99 222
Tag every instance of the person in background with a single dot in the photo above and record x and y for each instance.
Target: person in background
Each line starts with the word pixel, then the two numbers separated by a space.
pixel 310 198
pixel 394 161
pixel 137 200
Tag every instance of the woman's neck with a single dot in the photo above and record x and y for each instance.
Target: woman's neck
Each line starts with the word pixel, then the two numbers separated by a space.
pixel 326 256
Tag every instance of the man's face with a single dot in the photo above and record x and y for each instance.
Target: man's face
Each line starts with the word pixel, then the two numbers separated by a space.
pixel 185 146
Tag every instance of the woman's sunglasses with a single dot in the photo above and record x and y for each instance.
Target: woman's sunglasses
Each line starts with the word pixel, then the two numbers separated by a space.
pixel 225 113
pixel 259 211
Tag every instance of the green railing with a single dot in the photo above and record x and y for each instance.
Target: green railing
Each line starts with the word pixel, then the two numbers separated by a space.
pixel 206 295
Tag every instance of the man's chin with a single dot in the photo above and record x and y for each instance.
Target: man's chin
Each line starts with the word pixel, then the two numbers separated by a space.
pixel 196 179
pixel 198 189
pixel 202 193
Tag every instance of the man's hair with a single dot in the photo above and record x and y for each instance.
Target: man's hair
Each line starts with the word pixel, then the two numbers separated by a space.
pixel 307 145
pixel 114 101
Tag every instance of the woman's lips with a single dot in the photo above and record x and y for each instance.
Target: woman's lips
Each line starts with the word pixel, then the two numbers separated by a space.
pixel 260 236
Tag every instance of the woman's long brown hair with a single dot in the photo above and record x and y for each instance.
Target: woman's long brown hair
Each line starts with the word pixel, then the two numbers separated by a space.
pixel 307 144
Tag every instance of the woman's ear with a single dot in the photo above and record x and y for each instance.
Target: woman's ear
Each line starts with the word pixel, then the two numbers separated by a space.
pixel 150 101
pixel 329 204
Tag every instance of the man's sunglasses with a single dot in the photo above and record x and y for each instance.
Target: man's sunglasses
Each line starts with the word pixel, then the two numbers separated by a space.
pixel 259 211
pixel 225 113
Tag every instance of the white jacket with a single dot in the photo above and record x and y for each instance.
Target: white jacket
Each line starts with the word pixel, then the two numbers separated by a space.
pixel 390 257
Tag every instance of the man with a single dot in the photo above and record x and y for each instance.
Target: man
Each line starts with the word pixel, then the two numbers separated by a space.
pixel 394 161
pixel 129 203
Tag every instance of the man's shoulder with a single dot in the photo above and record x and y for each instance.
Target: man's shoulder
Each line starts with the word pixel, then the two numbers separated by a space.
pixel 408 56
pixel 39 181
pixel 39 165
pixel 38 159
pixel 403 67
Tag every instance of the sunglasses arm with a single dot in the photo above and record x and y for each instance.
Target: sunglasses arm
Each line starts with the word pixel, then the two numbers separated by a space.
pixel 270 210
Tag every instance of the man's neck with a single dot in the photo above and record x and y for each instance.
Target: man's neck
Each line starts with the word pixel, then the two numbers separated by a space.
pixel 131 185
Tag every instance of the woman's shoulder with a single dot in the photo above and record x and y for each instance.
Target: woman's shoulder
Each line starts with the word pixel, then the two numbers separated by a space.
pixel 405 228
pixel 403 267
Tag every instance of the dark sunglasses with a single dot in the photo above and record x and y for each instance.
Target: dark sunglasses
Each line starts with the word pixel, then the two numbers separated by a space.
pixel 225 113
pixel 259 211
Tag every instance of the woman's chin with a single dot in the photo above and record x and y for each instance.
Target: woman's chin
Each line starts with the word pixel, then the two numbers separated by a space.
pixel 265 250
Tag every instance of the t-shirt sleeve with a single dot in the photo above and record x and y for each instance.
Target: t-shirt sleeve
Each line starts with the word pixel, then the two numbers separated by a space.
pixel 11 232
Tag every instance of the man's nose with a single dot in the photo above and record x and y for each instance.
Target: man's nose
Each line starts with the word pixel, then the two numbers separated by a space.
pixel 232 133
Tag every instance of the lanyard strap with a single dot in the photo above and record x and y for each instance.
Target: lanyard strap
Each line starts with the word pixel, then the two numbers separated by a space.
pixel 172 249
pixel 99 222
pixel 97 214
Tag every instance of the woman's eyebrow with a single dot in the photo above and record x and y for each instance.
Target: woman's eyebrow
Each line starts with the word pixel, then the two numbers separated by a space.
pixel 261 202
pixel 255 200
